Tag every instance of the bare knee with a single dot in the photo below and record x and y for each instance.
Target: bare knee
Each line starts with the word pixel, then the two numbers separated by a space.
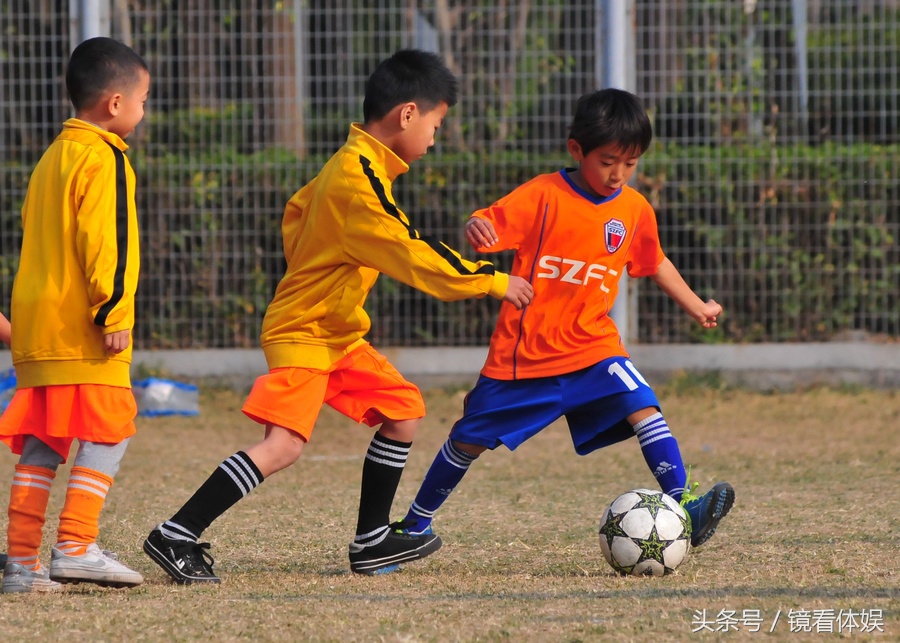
pixel 473 450
pixel 643 414
pixel 400 430
pixel 280 449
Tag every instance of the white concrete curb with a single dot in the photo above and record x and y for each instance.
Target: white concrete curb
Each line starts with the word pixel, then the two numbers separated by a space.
pixel 766 366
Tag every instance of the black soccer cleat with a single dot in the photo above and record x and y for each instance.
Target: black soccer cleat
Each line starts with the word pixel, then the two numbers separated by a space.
pixel 396 548
pixel 187 562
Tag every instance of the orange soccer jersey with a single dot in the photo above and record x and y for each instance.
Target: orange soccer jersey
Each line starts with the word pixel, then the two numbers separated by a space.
pixel 573 248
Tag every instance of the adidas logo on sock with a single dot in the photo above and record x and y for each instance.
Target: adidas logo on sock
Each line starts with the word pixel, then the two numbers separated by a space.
pixel 663 468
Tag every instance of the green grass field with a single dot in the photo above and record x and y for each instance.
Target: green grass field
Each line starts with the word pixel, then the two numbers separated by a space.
pixel 810 551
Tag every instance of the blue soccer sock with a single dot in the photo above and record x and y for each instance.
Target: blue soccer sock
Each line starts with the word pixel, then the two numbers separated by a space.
pixel 662 454
pixel 446 472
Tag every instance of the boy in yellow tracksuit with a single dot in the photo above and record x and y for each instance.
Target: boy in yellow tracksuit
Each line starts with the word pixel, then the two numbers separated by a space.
pixel 73 313
pixel 340 231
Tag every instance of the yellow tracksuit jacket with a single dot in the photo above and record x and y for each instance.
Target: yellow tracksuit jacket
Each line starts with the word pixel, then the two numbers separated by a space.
pixel 79 265
pixel 340 231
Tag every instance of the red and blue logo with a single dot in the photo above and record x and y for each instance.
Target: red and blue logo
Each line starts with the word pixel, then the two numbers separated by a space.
pixel 615 235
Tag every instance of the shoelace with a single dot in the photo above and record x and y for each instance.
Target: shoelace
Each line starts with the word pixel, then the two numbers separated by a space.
pixel 401 525
pixel 197 553
pixel 689 487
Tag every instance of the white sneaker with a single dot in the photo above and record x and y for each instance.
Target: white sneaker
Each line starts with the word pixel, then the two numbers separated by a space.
pixel 94 566
pixel 18 578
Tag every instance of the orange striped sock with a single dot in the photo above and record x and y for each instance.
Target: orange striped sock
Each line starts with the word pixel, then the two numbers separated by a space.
pixel 79 522
pixel 28 499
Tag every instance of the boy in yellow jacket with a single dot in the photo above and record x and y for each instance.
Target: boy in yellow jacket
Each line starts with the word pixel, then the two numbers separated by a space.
pixel 73 313
pixel 340 231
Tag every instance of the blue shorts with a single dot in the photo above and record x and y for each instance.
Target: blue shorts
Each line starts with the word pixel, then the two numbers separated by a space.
pixel 595 402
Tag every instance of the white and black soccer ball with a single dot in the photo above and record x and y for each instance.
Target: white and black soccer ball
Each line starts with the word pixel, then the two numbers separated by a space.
pixel 645 533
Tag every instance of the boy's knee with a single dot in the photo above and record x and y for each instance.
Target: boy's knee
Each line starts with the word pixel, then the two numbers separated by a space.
pixel 473 450
pixel 36 453
pixel 639 416
pixel 400 430
pixel 280 449
pixel 289 448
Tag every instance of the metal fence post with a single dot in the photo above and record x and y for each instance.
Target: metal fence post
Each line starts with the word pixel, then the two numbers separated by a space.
pixel 614 38
pixel 88 19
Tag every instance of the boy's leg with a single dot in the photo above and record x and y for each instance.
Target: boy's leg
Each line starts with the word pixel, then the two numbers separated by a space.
pixel 613 396
pixel 496 412
pixel 446 472
pixel 707 510
pixel 231 481
pixel 287 401
pixel 28 499
pixel 77 558
pixel 382 469
pixel 378 547
pixel 661 452
pixel 174 545
pixel 368 389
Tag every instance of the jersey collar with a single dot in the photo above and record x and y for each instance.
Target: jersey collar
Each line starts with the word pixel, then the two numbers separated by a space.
pixel 364 143
pixel 590 197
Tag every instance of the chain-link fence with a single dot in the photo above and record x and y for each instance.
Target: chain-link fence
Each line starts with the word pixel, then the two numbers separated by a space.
pixel 773 171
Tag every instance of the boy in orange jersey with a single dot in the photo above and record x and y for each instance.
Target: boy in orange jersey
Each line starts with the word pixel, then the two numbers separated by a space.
pixel 340 231
pixel 73 312
pixel 574 232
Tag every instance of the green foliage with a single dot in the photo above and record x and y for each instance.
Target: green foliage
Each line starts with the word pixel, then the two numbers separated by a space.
pixel 798 242
pixel 200 129
pixel 854 71
pixel 211 219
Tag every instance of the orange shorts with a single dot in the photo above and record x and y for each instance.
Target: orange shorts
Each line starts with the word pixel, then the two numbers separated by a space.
pixel 57 415
pixel 363 386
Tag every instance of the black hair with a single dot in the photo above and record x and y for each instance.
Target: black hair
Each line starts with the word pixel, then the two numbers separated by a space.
pixel 98 65
pixel 410 75
pixel 611 116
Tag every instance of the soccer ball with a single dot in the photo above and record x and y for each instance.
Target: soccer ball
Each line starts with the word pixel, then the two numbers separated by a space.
pixel 645 533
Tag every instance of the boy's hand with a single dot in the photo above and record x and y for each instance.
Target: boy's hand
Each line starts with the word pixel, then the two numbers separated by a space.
pixel 117 342
pixel 520 293
pixel 708 314
pixel 480 233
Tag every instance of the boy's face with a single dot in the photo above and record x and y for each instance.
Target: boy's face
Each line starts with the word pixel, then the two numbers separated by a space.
pixel 418 131
pixel 129 106
pixel 604 169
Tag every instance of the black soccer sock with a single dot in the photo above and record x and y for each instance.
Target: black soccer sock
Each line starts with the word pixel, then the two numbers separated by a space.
pixel 232 480
pixel 381 473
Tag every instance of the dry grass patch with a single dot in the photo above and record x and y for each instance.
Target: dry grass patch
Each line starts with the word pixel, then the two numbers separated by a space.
pixel 815 527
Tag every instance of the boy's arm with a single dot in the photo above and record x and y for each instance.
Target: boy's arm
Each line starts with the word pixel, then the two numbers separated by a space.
pixel 673 284
pixel 107 244
pixel 391 246
pixel 480 233
pixel 117 342
pixel 5 329
pixel 505 224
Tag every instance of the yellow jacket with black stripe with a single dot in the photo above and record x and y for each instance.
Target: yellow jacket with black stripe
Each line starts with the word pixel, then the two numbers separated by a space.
pixel 340 231
pixel 79 264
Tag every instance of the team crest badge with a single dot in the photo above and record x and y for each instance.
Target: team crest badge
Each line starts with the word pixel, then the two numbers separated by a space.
pixel 615 235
